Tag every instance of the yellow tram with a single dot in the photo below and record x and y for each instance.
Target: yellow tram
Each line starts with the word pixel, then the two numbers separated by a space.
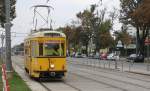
pixel 45 54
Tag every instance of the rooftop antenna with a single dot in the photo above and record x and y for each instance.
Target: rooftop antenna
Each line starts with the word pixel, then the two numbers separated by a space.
pixel 46 20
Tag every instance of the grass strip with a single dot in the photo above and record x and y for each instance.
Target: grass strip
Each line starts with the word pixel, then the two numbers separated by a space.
pixel 16 83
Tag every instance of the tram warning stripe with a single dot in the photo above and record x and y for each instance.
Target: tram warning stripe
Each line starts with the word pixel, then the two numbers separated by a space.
pixel 4 79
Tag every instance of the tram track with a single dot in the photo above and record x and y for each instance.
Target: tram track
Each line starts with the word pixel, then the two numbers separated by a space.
pixel 78 71
pixel 120 81
pixel 99 82
pixel 114 73
pixel 46 87
pixel 72 86
pixel 60 81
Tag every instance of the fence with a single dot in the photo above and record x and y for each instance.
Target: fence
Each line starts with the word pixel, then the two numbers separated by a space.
pixel 122 64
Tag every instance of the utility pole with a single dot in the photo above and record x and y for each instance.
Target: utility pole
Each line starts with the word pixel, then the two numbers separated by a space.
pixel 8 36
pixel 136 43
pixel 2 48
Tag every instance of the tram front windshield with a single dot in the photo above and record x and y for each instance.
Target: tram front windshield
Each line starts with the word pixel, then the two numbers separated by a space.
pixel 53 49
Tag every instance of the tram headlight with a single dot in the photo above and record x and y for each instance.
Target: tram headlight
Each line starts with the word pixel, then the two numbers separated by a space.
pixel 52 65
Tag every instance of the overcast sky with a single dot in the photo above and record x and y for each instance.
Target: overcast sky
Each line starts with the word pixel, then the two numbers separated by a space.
pixel 64 12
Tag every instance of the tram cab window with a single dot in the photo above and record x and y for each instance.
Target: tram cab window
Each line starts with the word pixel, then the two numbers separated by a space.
pixel 53 49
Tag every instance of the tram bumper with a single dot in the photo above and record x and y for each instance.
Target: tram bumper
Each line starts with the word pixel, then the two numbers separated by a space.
pixel 51 74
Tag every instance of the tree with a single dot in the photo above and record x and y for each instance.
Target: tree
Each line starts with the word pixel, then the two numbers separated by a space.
pixel 73 36
pixel 2 16
pixel 136 13
pixel 96 27
pixel 2 11
pixel 69 34
pixel 123 36
pixel 106 39
pixel 102 28
pixel 85 18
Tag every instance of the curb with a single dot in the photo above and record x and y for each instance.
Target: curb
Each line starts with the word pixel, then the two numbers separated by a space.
pixel 140 73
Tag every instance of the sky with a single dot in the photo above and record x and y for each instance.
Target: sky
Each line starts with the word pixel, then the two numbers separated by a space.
pixel 64 12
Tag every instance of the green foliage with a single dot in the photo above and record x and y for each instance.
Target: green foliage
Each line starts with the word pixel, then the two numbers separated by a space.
pixel 2 11
pixel 105 38
pixel 136 13
pixel 123 36
pixel 87 20
pixel 91 21
pixel 127 9
pixel 93 26
pixel 13 9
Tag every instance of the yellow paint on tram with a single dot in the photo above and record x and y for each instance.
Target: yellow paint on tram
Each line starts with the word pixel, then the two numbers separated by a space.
pixel 45 54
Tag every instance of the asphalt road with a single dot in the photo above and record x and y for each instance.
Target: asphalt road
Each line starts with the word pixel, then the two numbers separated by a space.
pixel 87 78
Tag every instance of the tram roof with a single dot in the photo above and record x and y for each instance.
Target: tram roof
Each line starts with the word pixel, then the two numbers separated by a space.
pixel 48 33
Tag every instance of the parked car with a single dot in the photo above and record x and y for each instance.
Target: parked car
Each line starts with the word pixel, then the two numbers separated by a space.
pixel 96 56
pixel 139 58
pixel 84 55
pixel 91 55
pixel 131 57
pixel 103 56
pixel 136 58
pixel 78 55
pixel 112 56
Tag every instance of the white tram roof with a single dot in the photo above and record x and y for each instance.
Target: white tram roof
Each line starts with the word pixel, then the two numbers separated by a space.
pixel 47 33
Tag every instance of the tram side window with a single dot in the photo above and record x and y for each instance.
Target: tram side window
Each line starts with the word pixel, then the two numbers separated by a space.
pixel 34 49
pixel 26 51
pixel 40 49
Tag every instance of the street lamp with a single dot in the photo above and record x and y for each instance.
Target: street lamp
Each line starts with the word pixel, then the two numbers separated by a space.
pixel 136 44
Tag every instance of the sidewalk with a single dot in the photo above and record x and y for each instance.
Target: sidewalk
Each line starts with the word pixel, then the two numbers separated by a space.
pixel 121 65
pixel 34 86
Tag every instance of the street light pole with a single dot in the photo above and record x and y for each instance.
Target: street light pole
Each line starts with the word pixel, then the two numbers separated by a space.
pixel 136 43
pixel 148 45
pixel 2 50
pixel 8 37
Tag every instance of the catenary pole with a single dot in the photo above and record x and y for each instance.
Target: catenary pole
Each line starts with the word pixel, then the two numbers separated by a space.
pixel 2 48
pixel 8 37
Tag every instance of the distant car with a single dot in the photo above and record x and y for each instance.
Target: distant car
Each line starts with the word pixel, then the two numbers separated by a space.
pixel 91 55
pixel 78 55
pixel 136 58
pixel 112 56
pixel 131 57
pixel 94 56
pixel 103 56
pixel 84 55
pixel 139 58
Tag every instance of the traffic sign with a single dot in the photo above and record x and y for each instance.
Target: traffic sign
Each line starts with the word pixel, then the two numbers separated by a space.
pixel 147 41
pixel 119 44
